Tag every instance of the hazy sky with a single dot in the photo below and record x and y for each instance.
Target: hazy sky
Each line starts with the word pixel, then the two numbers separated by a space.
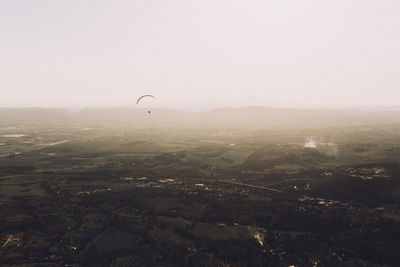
pixel 107 53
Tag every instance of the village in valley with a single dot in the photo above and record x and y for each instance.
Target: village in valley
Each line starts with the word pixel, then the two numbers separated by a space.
pixel 79 196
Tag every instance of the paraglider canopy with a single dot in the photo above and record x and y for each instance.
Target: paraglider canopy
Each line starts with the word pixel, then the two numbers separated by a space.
pixel 143 96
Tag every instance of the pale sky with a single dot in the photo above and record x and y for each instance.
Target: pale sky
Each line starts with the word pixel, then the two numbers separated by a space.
pixel 78 53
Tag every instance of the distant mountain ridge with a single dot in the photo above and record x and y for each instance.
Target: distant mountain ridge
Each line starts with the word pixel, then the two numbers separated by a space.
pixel 256 117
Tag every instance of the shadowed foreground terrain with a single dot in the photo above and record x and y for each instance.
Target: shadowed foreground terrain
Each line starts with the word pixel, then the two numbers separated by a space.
pixel 85 193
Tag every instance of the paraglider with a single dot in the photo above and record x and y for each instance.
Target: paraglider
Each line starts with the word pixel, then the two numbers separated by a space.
pixel 144 96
